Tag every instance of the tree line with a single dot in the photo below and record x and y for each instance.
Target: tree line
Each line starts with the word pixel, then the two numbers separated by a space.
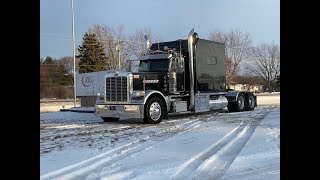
pixel 56 78
pixel 261 61
pixel 102 46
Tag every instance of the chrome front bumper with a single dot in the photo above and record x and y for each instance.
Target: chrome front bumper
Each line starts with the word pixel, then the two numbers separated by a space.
pixel 119 111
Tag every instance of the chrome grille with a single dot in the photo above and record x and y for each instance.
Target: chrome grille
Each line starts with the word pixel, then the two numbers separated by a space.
pixel 116 89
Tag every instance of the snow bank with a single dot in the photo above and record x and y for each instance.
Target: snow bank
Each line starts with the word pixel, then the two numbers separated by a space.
pixel 272 100
pixel 56 106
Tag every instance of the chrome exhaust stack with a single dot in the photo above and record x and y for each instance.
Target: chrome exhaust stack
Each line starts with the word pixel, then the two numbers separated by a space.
pixel 192 41
pixel 146 44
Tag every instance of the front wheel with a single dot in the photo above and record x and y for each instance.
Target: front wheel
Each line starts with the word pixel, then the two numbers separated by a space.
pixel 154 111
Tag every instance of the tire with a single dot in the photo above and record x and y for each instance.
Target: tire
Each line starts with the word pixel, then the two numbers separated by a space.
pixel 250 103
pixel 110 119
pixel 239 105
pixel 154 111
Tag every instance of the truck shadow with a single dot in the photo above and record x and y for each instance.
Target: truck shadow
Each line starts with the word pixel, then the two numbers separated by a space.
pixel 172 117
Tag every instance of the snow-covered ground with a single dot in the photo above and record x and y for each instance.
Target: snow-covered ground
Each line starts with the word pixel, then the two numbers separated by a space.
pixel 271 99
pixel 56 105
pixel 214 145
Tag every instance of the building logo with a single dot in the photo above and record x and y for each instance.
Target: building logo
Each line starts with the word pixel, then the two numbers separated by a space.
pixel 86 80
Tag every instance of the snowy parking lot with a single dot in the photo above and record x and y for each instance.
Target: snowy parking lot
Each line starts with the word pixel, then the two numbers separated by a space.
pixel 215 145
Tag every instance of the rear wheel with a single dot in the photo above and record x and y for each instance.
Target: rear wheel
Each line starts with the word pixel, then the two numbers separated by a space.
pixel 110 119
pixel 154 111
pixel 250 104
pixel 239 105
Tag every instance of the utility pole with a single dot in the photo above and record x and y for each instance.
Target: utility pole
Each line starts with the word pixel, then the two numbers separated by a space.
pixel 118 48
pixel 74 56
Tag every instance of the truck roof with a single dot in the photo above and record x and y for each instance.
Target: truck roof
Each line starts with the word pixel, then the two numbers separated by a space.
pixel 153 56
pixel 176 44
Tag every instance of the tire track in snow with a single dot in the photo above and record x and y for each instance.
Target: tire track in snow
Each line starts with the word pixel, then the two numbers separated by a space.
pixel 96 163
pixel 91 134
pixel 93 168
pixel 127 173
pixel 252 174
pixel 258 176
pixel 215 166
pixel 120 175
pixel 51 132
pixel 188 167
pixel 217 158
pixel 87 132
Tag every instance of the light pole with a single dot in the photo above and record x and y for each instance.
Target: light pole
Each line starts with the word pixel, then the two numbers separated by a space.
pixel 74 56
pixel 118 47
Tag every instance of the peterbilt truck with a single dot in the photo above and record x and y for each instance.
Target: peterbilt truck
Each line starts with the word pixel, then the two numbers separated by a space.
pixel 176 77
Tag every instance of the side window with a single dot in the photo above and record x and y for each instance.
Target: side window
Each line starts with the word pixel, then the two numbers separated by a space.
pixel 181 64
pixel 177 65
pixel 172 65
pixel 143 67
pixel 212 60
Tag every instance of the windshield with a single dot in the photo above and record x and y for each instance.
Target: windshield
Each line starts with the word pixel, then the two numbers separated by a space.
pixel 154 65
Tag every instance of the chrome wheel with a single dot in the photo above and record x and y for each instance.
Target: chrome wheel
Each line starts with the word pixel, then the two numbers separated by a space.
pixel 251 102
pixel 155 111
pixel 241 102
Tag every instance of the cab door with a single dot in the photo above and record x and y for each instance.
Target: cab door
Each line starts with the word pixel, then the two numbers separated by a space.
pixel 176 75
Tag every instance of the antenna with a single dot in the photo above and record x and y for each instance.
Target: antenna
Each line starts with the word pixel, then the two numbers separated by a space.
pixel 158 43
pixel 180 48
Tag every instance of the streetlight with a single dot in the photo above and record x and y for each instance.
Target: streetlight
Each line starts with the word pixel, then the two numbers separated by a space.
pixel 74 56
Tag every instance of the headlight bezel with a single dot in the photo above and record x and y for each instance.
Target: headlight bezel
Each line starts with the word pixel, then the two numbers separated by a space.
pixel 100 94
pixel 136 94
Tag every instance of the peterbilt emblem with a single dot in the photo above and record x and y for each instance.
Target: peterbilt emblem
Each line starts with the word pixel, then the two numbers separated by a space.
pixel 150 81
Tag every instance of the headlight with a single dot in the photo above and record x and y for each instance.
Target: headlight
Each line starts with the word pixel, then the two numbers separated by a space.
pixel 100 94
pixel 137 93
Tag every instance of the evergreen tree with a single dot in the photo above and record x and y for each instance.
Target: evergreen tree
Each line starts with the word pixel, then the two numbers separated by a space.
pixel 91 55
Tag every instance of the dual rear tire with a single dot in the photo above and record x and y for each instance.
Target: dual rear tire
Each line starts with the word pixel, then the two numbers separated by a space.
pixel 243 103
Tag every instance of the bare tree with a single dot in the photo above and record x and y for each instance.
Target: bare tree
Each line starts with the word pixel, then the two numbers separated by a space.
pixel 67 62
pixel 136 42
pixel 109 38
pixel 237 47
pixel 265 62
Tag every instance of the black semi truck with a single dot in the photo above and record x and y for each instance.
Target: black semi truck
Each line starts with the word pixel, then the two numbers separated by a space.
pixel 176 77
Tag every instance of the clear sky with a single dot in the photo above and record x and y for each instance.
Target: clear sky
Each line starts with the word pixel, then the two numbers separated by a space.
pixel 168 19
